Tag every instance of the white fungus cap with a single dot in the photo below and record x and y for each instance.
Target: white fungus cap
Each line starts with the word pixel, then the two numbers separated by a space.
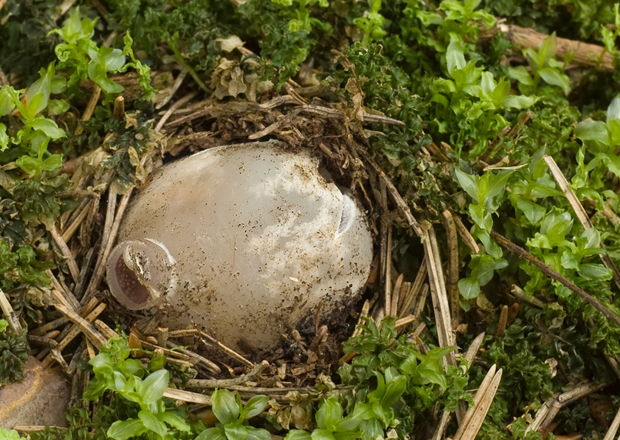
pixel 248 238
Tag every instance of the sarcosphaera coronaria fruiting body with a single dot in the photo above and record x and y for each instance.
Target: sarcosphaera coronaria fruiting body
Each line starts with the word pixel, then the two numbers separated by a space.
pixel 242 240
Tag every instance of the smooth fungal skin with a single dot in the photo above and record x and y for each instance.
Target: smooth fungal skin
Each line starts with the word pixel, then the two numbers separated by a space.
pixel 258 238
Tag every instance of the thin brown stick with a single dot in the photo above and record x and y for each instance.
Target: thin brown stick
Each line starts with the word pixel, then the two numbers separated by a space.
pixel 174 107
pixel 229 351
pixel 580 212
pixel 522 253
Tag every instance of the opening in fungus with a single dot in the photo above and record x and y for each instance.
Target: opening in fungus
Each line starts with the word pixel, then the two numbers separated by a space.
pixel 128 283
pixel 348 214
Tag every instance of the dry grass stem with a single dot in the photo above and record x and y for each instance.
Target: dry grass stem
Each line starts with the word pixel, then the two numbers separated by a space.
pixel 613 429
pixel 173 108
pixel 87 328
pixel 482 389
pixel 387 274
pixel 406 320
pixel 225 383
pixel 66 253
pixel 438 293
pixel 90 108
pixel 465 235
pixel 107 246
pixel 520 294
pixel 75 224
pixel 522 253
pixel 453 266
pixel 187 396
pixel 412 296
pixel 9 314
pixel 502 322
pixel 177 83
pixel 75 331
pixel 580 212
pixel 396 295
pixel 481 409
pixel 119 107
pixel 107 228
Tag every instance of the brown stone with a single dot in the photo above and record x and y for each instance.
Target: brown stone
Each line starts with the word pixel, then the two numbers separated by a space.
pixel 41 399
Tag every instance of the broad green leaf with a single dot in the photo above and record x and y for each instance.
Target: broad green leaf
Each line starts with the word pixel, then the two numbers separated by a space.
pixel 469 288
pixel 4 137
pixel 593 131
pixel 122 430
pixel 173 420
pixel 257 434
pixel 518 101
pixel 6 101
pixel 593 271
pixel 329 414
pixel 455 57
pixel 151 423
pixel 322 434
pixel 48 127
pixel 555 78
pixel 57 106
pixel 212 434
pixel 225 406
pixel 521 74
pixel 37 95
pixel 613 111
pixel 30 165
pixel 296 434
pixel 235 432
pixel 468 183
pixel 154 386
pixel 255 406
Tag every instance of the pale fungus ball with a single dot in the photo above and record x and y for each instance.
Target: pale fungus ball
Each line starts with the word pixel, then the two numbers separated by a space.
pixel 242 240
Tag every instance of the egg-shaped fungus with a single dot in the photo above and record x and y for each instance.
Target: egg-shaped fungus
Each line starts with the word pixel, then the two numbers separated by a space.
pixel 242 240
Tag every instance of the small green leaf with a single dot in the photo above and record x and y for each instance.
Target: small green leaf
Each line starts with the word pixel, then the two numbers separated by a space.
pixel 4 137
pixel 521 74
pixel 122 430
pixel 255 406
pixel 257 434
pixel 468 183
pixel 555 78
pixel 212 434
